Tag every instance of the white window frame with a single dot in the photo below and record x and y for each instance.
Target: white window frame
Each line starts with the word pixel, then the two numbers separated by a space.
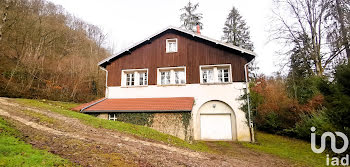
pixel 136 73
pixel 172 75
pixel 167 45
pixel 216 73
pixel 130 79
pixel 114 118
pixel 144 75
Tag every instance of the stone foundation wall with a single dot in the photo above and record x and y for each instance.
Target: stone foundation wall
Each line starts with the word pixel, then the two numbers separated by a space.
pixel 176 124
pixel 103 115
pixel 172 123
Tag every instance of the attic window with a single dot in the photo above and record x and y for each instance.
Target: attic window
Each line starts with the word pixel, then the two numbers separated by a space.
pixel 171 45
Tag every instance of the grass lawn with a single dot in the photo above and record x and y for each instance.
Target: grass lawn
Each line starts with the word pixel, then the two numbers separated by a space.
pixel 137 130
pixel 14 152
pixel 296 150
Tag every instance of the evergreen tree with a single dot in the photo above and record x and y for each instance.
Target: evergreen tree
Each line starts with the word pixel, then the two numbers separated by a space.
pixel 190 19
pixel 301 79
pixel 236 31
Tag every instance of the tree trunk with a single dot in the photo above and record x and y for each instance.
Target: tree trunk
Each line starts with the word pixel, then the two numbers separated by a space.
pixel 344 38
pixel 4 17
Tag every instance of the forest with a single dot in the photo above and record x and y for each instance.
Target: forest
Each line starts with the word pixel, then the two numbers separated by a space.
pixel 47 53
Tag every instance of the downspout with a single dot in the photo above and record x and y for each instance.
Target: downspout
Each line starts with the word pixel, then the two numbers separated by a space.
pixel 107 92
pixel 250 122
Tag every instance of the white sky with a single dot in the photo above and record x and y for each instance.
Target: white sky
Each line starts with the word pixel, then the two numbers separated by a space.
pixel 129 21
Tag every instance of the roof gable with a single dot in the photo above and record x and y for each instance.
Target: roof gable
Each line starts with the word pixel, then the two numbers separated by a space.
pixel 249 55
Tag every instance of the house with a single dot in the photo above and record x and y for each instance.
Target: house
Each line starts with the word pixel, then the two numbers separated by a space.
pixel 178 82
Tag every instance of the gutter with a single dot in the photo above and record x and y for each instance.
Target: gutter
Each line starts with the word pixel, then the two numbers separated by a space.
pixel 92 104
pixel 250 122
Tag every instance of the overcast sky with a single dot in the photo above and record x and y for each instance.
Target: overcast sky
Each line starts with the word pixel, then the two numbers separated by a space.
pixel 129 21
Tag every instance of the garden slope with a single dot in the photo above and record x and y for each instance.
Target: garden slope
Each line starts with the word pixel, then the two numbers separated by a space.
pixel 91 146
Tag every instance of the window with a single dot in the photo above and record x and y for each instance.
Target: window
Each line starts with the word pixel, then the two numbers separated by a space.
pixel 130 79
pixel 208 75
pixel 223 75
pixel 165 77
pixel 112 116
pixel 215 73
pixel 171 45
pixel 180 77
pixel 134 77
pixel 171 76
pixel 143 78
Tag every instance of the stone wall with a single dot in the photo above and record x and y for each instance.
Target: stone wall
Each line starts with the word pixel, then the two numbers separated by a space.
pixel 177 124
pixel 172 123
pixel 103 115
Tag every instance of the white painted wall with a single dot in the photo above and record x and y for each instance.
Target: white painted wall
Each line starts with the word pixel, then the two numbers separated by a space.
pixel 228 93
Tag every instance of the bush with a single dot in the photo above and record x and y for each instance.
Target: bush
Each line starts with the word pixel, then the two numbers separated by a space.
pixel 274 111
pixel 318 119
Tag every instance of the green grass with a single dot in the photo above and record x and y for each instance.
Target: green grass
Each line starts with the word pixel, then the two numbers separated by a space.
pixel 137 130
pixel 296 150
pixel 14 152
pixel 41 117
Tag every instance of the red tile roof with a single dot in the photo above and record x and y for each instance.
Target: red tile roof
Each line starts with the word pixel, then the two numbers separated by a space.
pixel 170 104
pixel 78 108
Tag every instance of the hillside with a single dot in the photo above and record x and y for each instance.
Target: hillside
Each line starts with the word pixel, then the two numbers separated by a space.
pixel 89 141
pixel 46 52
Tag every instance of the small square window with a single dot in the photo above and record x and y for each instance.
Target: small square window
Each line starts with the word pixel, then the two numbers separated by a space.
pixel 112 117
pixel 171 45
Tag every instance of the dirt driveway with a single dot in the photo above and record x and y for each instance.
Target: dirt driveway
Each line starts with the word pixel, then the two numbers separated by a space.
pixel 89 146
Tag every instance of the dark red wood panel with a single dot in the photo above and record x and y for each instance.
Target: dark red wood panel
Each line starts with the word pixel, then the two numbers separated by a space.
pixel 190 53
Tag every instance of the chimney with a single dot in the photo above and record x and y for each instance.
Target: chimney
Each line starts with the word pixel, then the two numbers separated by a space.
pixel 198 29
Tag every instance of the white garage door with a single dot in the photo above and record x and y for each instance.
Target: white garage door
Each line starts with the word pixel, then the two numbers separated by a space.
pixel 216 127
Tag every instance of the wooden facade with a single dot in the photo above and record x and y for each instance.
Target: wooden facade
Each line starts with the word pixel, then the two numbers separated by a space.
pixel 192 53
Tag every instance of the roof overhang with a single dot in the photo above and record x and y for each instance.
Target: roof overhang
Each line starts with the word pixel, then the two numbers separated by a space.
pixel 170 104
pixel 249 55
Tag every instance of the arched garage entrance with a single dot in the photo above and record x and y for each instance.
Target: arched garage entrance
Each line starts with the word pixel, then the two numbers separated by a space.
pixel 217 121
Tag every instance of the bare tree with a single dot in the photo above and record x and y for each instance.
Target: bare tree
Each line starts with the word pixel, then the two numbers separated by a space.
pixel 48 53
pixel 339 26
pixel 297 18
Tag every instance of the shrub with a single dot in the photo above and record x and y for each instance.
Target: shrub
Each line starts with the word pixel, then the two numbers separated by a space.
pixel 274 111
pixel 317 119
